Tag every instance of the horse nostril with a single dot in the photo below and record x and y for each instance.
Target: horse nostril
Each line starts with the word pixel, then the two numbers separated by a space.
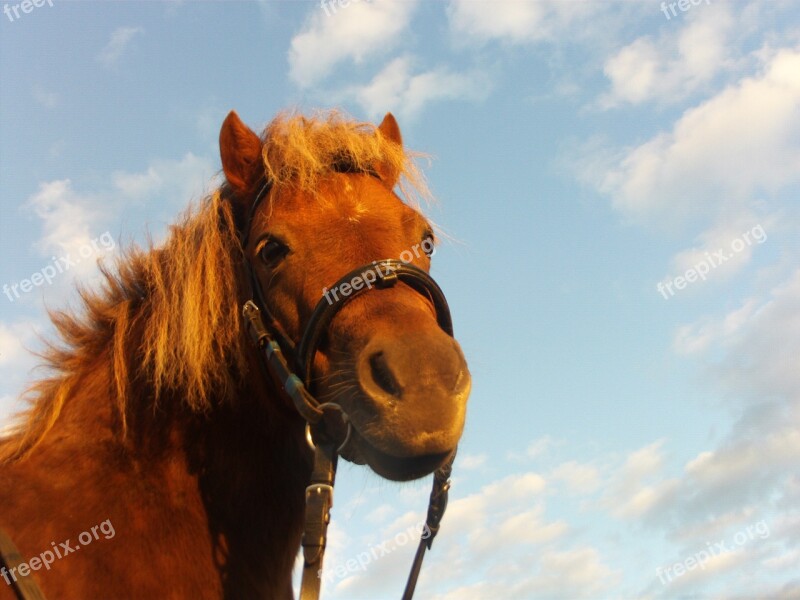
pixel 382 374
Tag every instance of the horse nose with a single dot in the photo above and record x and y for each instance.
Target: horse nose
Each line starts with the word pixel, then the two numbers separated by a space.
pixel 412 366
pixel 415 387
pixel 381 374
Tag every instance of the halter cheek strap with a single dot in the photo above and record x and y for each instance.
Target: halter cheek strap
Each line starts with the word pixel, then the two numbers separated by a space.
pixel 269 337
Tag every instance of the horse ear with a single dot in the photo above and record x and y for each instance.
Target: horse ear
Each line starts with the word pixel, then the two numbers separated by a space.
pixel 240 150
pixel 389 129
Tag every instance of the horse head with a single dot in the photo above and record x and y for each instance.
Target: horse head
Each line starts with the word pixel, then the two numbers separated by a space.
pixel 330 209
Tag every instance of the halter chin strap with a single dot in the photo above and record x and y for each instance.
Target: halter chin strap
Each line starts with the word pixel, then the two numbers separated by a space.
pixel 270 338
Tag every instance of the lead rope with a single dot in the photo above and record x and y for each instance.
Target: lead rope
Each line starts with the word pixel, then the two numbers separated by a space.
pixel 436 507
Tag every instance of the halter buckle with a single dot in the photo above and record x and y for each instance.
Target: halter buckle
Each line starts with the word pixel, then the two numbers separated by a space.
pixel 386 279
pixel 318 489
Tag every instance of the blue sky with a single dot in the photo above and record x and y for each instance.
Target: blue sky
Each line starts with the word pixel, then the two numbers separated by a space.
pixel 583 153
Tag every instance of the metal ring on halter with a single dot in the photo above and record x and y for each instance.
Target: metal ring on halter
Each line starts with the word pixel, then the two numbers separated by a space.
pixel 309 439
pixel 345 419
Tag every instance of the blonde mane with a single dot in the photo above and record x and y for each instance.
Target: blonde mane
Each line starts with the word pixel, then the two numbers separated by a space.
pixel 170 315
pixel 298 150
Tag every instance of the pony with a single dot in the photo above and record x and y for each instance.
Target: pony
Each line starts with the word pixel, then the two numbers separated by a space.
pixel 158 459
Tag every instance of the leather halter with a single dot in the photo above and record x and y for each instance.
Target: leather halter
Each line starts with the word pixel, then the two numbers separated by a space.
pixel 269 337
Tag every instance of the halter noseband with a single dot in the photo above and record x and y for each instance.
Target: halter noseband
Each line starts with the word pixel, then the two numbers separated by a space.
pixel 270 338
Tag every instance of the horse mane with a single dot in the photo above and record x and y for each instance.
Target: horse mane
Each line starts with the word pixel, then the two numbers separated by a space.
pixel 170 315
pixel 298 150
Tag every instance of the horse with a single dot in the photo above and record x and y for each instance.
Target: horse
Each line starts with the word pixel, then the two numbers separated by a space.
pixel 159 458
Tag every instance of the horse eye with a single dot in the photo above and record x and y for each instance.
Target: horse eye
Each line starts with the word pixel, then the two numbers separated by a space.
pixel 273 252
pixel 429 244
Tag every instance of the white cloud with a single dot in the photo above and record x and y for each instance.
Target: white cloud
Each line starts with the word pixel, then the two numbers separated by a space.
pixel 701 336
pixel 721 251
pixel 750 354
pixel 633 72
pixel 719 155
pixel 13 338
pixel 470 513
pixel 480 531
pixel 738 461
pixel 577 573
pixel 181 180
pixel 68 219
pixel 715 566
pixel 17 340
pixel 569 574
pixel 358 31
pixel 760 339
pixel 631 491
pixel 399 90
pixel 539 446
pixel 471 461
pixel 71 219
pixel 517 21
pixel 579 478
pixel 75 224
pixel 789 560
pixel 117 44
pixel 644 462
pixel 73 239
pixel 528 527
pixel 735 240
pixel 675 65
pixel 715 529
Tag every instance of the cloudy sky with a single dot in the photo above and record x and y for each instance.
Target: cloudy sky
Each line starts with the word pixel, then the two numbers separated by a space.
pixel 620 184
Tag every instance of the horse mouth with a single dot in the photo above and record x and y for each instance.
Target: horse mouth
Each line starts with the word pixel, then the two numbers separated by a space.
pixel 389 466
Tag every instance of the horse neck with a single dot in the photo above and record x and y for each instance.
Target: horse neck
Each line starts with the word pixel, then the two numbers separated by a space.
pixel 247 458
pixel 252 466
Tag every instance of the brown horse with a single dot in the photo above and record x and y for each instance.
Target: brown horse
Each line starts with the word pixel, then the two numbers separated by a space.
pixel 159 460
